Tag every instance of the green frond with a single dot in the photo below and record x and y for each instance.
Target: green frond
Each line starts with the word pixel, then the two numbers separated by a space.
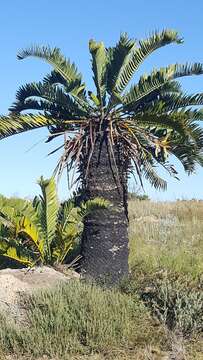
pixel 150 83
pixel 99 64
pixel 9 212
pixel 68 234
pixel 159 98
pixel 54 57
pixel 55 78
pixel 93 204
pixel 47 211
pixel 6 221
pixel 188 153
pixel 61 65
pixel 31 104
pixel 68 212
pixel 14 251
pixel 182 122
pixel 74 87
pixel 54 99
pixel 62 248
pixel 171 87
pixel 146 85
pixel 20 205
pixel 175 101
pixel 164 102
pixel 139 54
pixel 68 230
pixel 16 124
pixel 117 58
pixel 96 203
pixel 191 113
pixel 150 174
pixel 27 228
pixel 192 129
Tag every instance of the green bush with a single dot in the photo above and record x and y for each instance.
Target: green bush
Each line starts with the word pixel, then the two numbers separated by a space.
pixel 137 196
pixel 174 299
pixel 80 318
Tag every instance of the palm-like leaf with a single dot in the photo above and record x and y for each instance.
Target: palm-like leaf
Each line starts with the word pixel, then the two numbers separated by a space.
pixel 151 175
pixel 15 124
pixel 45 233
pixel 27 228
pixel 179 121
pixel 14 251
pixel 50 99
pixel 53 56
pixel 99 65
pixel 93 205
pixel 63 66
pixel 151 83
pixel 118 56
pixel 139 54
pixel 47 211
pixel 168 101
pixel 69 227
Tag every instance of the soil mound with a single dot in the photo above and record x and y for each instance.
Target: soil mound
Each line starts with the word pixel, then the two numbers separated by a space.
pixel 16 284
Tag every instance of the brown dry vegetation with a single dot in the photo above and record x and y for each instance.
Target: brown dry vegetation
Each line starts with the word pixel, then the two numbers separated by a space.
pixel 167 235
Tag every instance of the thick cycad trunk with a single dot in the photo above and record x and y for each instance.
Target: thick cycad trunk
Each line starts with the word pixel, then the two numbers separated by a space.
pixel 105 241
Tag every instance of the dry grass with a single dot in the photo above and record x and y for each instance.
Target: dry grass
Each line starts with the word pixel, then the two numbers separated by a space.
pixel 167 236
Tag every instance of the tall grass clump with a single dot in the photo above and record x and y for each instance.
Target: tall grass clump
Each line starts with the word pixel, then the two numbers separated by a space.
pixel 79 318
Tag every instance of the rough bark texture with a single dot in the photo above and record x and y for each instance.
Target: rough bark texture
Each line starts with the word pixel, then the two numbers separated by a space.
pixel 105 241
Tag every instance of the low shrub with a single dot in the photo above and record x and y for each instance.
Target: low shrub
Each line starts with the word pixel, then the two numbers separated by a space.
pixel 174 299
pixel 80 318
pixel 137 196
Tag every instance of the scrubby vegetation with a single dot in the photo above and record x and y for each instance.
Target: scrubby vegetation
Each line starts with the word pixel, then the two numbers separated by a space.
pixel 155 314
pixel 81 318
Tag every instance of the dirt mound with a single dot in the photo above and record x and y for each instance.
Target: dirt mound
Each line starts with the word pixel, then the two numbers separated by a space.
pixel 15 284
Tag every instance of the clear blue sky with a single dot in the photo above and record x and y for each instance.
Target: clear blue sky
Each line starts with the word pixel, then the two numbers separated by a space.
pixel 69 25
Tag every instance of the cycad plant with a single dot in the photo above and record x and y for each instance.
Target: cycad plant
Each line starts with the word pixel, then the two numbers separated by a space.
pixel 113 132
pixel 45 231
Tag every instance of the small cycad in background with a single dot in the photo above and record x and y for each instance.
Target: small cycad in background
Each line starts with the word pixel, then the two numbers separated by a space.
pixel 44 231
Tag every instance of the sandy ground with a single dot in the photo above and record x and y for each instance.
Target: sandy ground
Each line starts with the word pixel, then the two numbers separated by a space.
pixel 17 283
